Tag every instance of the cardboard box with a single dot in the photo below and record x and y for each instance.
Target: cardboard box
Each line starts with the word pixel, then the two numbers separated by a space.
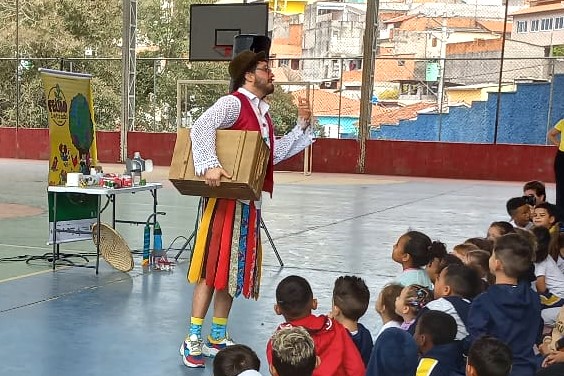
pixel 243 154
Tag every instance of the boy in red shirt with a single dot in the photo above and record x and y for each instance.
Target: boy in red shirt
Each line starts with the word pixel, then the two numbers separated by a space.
pixel 333 344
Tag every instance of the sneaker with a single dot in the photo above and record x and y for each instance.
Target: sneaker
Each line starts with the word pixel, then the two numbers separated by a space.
pixel 191 352
pixel 210 348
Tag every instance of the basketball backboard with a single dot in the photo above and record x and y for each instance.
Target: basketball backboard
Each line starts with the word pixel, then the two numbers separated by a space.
pixel 213 28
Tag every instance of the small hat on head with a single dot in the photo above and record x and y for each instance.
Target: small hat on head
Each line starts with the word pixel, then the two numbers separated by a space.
pixel 243 62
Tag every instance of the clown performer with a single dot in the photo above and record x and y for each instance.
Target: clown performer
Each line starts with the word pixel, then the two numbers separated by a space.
pixel 228 263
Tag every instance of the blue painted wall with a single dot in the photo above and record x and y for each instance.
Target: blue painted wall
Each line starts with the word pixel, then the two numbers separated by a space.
pixel 347 126
pixel 524 116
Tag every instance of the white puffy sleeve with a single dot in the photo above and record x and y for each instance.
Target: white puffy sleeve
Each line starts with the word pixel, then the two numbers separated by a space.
pixel 222 114
pixel 292 143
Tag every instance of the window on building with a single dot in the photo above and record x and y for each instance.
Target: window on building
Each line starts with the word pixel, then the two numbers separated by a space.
pixel 355 64
pixel 521 26
pixel 295 64
pixel 535 25
pixel 335 33
pixel 559 23
pixel 283 62
pixel 434 42
pixel 546 24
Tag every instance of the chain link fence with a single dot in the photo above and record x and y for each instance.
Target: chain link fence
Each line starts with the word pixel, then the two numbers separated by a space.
pixel 410 96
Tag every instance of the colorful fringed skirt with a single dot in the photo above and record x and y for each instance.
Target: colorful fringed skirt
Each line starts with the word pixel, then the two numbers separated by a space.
pixel 228 253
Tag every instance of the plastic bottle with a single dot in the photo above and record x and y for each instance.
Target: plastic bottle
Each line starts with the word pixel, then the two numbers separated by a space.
pixel 157 238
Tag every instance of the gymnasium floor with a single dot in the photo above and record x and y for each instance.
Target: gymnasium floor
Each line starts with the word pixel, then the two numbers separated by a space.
pixel 74 322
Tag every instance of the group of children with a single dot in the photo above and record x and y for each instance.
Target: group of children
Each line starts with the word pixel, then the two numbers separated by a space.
pixel 475 311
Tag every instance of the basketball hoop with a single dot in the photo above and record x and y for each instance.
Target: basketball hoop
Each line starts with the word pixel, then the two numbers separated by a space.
pixel 224 50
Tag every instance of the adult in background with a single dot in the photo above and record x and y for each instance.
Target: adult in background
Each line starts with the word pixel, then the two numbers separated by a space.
pixel 554 135
pixel 231 228
pixel 536 189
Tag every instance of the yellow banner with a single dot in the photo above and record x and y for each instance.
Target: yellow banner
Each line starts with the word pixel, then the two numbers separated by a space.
pixel 72 131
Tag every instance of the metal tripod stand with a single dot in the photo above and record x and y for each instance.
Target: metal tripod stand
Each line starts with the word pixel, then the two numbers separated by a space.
pixel 192 237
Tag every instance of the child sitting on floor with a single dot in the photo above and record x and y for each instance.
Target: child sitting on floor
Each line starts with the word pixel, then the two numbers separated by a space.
pixel 549 281
pixel 413 251
pixel 236 360
pixel 394 354
pixel 454 290
pixel 350 302
pixel 461 250
pixel 510 309
pixel 333 343
pixel 498 229
pixel 479 260
pixel 435 269
pixel 437 257
pixel 386 307
pixel 441 355
pixel 293 353
pixel 546 215
pixel 520 213
pixel 488 356
pixel 410 302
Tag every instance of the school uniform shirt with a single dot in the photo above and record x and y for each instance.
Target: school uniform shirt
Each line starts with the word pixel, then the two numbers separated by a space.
pixel 333 344
pixel 363 341
pixel 394 354
pixel 527 227
pixel 414 276
pixel 510 313
pixel 389 324
pixel 560 263
pixel 457 307
pixel 442 360
pixel 553 276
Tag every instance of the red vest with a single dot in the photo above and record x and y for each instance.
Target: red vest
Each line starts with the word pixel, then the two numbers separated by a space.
pixel 247 121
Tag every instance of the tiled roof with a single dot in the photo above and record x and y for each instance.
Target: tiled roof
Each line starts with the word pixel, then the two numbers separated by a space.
pixel 326 103
pixel 400 18
pixel 495 26
pixel 382 115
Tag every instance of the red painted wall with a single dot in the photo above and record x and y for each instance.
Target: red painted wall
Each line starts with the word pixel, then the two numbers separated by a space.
pixel 430 159
pixel 155 146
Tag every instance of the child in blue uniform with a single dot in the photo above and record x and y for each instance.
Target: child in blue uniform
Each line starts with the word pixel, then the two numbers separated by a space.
pixel 350 302
pixel 441 355
pixel 510 309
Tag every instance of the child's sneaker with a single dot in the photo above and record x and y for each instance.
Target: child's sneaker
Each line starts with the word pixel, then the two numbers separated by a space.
pixel 211 347
pixel 191 351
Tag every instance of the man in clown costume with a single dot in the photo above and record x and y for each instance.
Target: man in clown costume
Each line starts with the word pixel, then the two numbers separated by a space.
pixel 227 257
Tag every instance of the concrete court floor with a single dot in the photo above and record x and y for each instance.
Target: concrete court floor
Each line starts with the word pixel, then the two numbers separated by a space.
pixel 74 322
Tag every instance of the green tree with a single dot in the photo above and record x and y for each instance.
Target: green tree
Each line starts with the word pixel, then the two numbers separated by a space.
pixel 283 110
pixel 558 50
pixel 51 32
pixel 48 32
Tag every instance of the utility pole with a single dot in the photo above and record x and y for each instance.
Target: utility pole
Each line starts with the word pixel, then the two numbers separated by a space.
pixel 441 87
pixel 500 78
pixel 442 64
pixel 367 88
